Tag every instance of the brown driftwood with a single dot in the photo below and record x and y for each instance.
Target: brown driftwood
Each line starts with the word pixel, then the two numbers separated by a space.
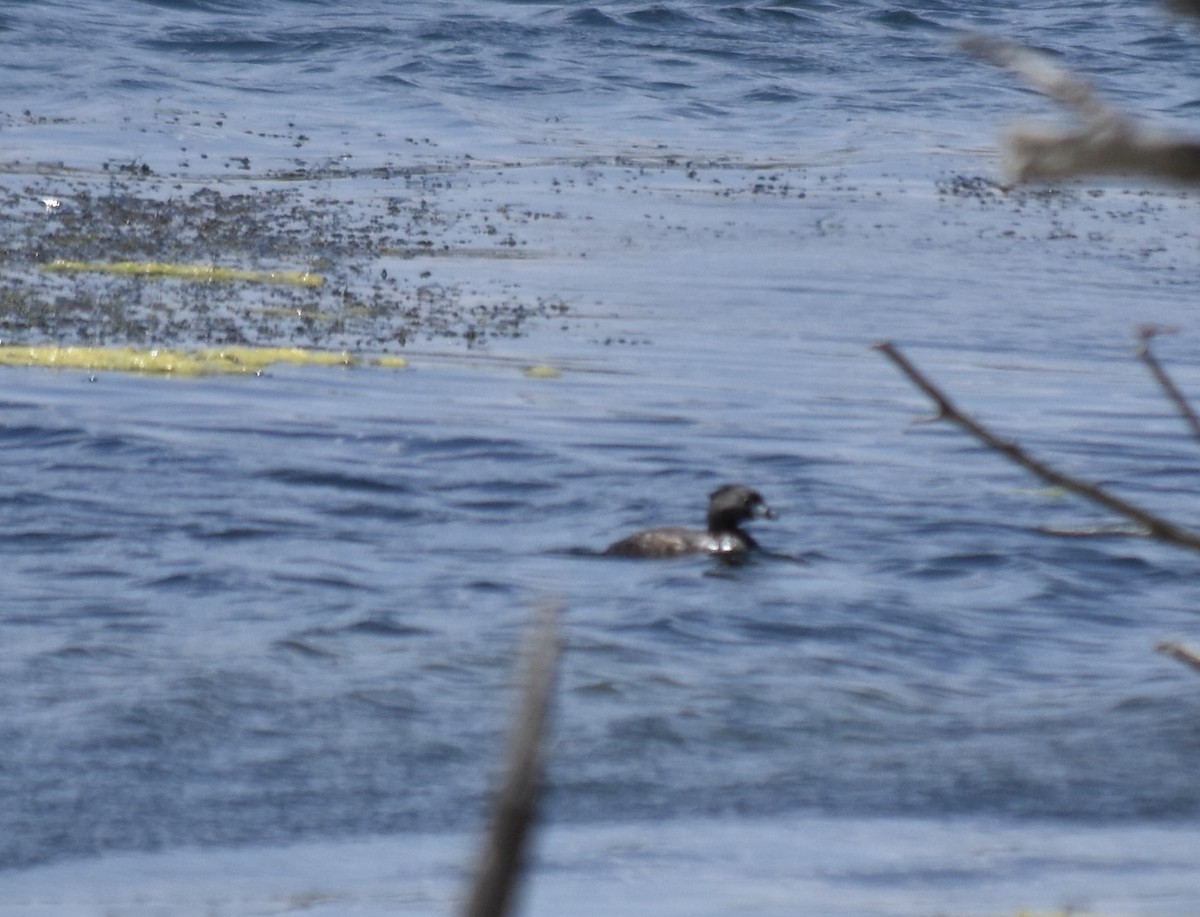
pixel 1107 141
pixel 1151 523
pixel 502 859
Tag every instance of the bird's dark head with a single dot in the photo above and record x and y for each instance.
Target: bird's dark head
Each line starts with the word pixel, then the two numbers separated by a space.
pixel 732 504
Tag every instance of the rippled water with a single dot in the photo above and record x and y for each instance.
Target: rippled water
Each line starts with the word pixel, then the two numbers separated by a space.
pixel 284 609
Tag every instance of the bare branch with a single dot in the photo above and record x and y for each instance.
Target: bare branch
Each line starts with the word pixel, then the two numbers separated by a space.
pixel 1180 652
pixel 503 856
pixel 1145 333
pixel 1109 140
pixel 1044 75
pixel 1155 526
pixel 1183 8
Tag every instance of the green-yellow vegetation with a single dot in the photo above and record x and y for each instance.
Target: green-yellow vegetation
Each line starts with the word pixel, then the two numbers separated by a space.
pixel 176 362
pixel 205 273
pixel 390 362
pixel 542 371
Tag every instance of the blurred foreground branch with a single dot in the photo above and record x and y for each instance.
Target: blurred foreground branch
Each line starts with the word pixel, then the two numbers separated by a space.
pixel 1180 652
pixel 1183 8
pixel 503 856
pixel 1146 355
pixel 1108 140
pixel 1153 524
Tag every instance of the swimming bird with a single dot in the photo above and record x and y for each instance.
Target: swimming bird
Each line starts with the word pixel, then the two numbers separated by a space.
pixel 728 507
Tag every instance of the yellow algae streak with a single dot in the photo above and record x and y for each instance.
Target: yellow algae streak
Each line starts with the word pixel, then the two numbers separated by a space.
pixel 167 362
pixel 390 362
pixel 205 273
pixel 542 371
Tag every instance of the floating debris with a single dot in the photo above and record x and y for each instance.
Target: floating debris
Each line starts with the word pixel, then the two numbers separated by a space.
pixel 130 258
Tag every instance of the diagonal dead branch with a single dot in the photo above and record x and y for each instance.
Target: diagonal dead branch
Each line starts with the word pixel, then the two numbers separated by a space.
pixel 1179 651
pixel 1145 333
pixel 503 856
pixel 1154 525
pixel 1109 140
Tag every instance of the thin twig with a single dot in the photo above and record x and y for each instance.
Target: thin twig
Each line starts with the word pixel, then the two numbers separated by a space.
pixel 1180 652
pixel 502 859
pixel 1145 333
pixel 1155 526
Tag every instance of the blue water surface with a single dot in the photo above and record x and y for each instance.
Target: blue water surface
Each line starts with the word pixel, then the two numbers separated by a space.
pixel 246 611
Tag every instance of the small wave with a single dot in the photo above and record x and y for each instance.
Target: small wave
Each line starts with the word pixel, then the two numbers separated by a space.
pixel 334 480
